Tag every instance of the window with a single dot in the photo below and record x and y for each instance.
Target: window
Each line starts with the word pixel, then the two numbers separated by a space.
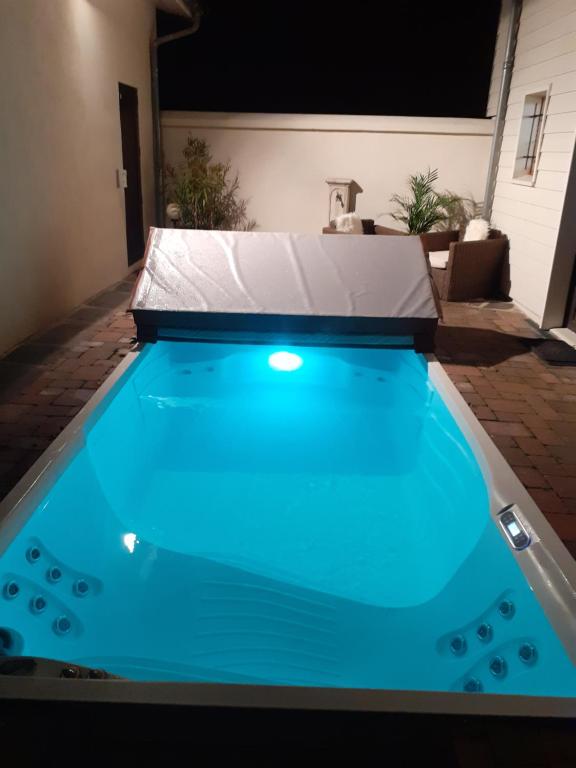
pixel 530 136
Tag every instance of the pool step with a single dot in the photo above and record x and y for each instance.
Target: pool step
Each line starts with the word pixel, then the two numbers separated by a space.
pixel 267 632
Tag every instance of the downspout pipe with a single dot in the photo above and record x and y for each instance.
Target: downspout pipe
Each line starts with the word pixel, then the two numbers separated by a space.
pixel 507 69
pixel 159 199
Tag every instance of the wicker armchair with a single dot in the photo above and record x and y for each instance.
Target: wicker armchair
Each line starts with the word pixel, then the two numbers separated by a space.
pixel 462 270
pixel 466 270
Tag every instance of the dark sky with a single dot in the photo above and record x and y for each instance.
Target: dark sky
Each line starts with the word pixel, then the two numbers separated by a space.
pixel 327 56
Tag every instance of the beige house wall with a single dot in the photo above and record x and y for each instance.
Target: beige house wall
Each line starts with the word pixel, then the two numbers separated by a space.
pixel 62 226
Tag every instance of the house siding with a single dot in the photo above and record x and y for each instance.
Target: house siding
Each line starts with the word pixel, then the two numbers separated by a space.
pixel 531 215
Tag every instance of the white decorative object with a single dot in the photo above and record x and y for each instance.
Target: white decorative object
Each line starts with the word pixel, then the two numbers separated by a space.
pixel 439 259
pixel 342 197
pixel 477 229
pixel 173 212
pixel 350 223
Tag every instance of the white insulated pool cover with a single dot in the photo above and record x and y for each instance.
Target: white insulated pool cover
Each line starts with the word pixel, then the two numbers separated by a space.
pixel 270 281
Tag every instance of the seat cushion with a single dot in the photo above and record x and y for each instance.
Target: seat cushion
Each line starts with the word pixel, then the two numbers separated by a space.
pixel 477 229
pixel 349 223
pixel 439 259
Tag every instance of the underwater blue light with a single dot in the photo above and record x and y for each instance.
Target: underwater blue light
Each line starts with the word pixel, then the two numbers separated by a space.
pixel 285 361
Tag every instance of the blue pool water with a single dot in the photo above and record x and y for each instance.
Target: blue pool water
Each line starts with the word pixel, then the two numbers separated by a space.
pixel 314 518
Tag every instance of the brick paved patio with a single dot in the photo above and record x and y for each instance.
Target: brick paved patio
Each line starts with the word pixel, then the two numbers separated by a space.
pixel 528 407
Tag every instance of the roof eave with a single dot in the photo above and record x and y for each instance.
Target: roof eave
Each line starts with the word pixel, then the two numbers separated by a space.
pixel 177 7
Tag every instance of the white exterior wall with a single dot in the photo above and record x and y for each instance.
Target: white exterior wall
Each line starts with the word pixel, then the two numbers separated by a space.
pixel 62 225
pixel 530 215
pixel 498 63
pixel 284 160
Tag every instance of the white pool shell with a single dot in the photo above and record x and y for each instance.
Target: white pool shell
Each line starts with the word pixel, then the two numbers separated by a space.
pixel 547 566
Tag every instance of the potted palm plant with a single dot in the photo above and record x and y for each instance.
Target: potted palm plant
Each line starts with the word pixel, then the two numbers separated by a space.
pixel 424 208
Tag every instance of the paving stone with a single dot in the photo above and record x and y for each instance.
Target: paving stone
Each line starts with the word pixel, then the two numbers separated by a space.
pixel 103 352
pixel 61 334
pixel 548 465
pixel 564 453
pixel 509 406
pixel 516 457
pixel 10 413
pixel 74 397
pixel 486 390
pixel 548 501
pixel 531 478
pixel 514 429
pixel 32 442
pixel 504 441
pixel 54 410
pixel 467 370
pixel 108 299
pixel 565 487
pixel 482 412
pixel 532 447
pixel 473 399
pixel 34 354
pixel 16 376
pixel 89 373
pixel 507 416
pixel 516 389
pixel 547 436
pixel 564 525
pixel 87 315
pixel 113 335
pixel 52 427
pixel 67 366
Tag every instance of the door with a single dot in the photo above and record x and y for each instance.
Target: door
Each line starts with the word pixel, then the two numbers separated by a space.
pixel 131 177
pixel 571 313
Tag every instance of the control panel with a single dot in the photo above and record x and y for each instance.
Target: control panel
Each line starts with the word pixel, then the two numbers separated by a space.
pixel 513 528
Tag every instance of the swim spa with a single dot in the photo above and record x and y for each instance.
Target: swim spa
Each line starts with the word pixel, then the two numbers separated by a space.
pixel 296 515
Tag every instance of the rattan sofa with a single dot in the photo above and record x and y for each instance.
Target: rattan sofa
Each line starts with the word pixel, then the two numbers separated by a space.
pixel 461 270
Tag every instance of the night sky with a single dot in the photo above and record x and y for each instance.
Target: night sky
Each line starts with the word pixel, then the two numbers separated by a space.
pixel 327 56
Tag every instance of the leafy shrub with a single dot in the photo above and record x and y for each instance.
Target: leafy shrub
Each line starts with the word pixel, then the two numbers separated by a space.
pixel 204 192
